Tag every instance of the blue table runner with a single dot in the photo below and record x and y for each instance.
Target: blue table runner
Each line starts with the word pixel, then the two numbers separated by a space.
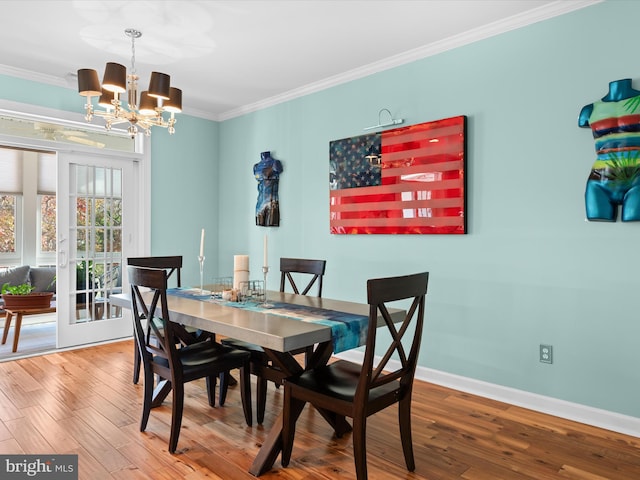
pixel 348 330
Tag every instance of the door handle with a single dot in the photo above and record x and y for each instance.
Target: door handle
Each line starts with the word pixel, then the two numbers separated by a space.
pixel 62 253
pixel 63 258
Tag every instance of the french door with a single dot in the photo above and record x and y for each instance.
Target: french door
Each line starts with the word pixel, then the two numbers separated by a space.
pixel 97 212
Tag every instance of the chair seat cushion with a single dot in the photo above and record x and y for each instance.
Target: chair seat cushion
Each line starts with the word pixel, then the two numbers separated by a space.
pixel 339 380
pixel 199 356
pixel 207 352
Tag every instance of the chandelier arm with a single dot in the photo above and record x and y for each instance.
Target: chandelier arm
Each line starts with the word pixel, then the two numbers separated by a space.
pixel 110 118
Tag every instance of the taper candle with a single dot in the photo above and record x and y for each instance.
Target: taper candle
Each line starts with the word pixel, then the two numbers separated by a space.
pixel 202 243
pixel 265 262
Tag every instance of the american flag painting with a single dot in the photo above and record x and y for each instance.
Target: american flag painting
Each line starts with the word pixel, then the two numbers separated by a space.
pixel 408 180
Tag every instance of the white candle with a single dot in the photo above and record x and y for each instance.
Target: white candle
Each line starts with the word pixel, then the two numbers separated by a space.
pixel 266 256
pixel 240 270
pixel 202 243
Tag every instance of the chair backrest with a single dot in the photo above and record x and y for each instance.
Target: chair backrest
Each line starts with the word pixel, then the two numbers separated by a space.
pixel 154 332
pixel 380 292
pixel 315 268
pixel 171 264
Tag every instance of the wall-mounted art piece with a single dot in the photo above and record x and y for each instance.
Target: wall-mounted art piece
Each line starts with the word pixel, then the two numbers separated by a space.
pixel 614 180
pixel 267 173
pixel 408 180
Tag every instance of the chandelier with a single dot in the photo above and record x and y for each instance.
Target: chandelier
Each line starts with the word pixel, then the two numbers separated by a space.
pixel 159 98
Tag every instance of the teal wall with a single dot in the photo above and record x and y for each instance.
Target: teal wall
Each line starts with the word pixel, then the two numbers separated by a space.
pixel 184 196
pixel 531 270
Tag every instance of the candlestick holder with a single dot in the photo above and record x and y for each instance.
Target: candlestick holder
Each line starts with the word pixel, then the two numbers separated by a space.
pixel 265 303
pixel 201 260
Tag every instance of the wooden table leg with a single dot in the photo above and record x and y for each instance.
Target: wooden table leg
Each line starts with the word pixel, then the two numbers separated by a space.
pixel 16 334
pixel 272 445
pixel 7 325
pixel 269 451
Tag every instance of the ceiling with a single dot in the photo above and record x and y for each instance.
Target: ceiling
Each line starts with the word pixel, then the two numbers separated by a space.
pixel 232 57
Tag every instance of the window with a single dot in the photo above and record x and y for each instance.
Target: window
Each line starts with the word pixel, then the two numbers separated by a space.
pixel 47 231
pixel 46 210
pixel 8 224
pixel 27 207
pixel 10 203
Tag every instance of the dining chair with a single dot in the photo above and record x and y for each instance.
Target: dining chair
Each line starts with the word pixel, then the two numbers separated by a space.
pixel 292 266
pixel 164 354
pixel 173 265
pixel 347 389
pixel 293 272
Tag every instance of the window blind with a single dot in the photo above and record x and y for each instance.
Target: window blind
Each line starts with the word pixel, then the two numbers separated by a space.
pixel 46 174
pixel 11 168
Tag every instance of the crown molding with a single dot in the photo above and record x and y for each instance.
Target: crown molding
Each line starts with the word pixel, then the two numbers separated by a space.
pixel 539 14
pixel 557 8
pixel 34 76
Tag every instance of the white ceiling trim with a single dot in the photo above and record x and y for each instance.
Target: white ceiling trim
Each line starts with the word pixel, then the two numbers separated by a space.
pixel 546 12
pixel 34 76
pixel 517 21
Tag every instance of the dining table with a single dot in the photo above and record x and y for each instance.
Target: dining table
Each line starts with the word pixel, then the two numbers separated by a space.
pixel 290 322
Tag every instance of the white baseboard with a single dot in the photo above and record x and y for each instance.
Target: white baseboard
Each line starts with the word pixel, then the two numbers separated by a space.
pixel 596 417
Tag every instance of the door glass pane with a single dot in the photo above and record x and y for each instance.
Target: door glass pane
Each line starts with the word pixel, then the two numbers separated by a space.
pixel 98 256
pixel 100 181
pixel 117 183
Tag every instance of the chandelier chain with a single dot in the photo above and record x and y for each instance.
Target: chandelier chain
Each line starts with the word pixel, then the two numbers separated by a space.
pixel 133 54
pixel 133 34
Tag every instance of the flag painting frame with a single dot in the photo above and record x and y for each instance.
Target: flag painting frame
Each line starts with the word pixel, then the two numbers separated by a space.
pixel 408 180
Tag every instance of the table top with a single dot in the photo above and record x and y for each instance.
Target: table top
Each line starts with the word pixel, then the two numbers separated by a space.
pixel 274 332
pixel 32 311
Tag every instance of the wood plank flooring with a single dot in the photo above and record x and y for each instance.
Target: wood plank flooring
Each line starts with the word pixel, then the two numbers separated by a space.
pixel 83 402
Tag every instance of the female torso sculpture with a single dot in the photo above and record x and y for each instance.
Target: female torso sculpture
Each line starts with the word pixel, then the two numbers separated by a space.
pixel 267 173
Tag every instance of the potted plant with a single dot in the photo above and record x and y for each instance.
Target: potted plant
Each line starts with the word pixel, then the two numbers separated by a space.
pixel 18 297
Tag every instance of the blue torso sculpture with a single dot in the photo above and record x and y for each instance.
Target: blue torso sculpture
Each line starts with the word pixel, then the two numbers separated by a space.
pixel 267 173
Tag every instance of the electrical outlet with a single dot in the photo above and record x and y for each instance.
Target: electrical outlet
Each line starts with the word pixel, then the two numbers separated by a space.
pixel 546 353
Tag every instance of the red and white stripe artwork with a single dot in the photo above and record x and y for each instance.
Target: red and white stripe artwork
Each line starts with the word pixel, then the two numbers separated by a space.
pixel 408 180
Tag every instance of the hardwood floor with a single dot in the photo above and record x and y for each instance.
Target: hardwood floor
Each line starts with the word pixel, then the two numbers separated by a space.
pixel 83 401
